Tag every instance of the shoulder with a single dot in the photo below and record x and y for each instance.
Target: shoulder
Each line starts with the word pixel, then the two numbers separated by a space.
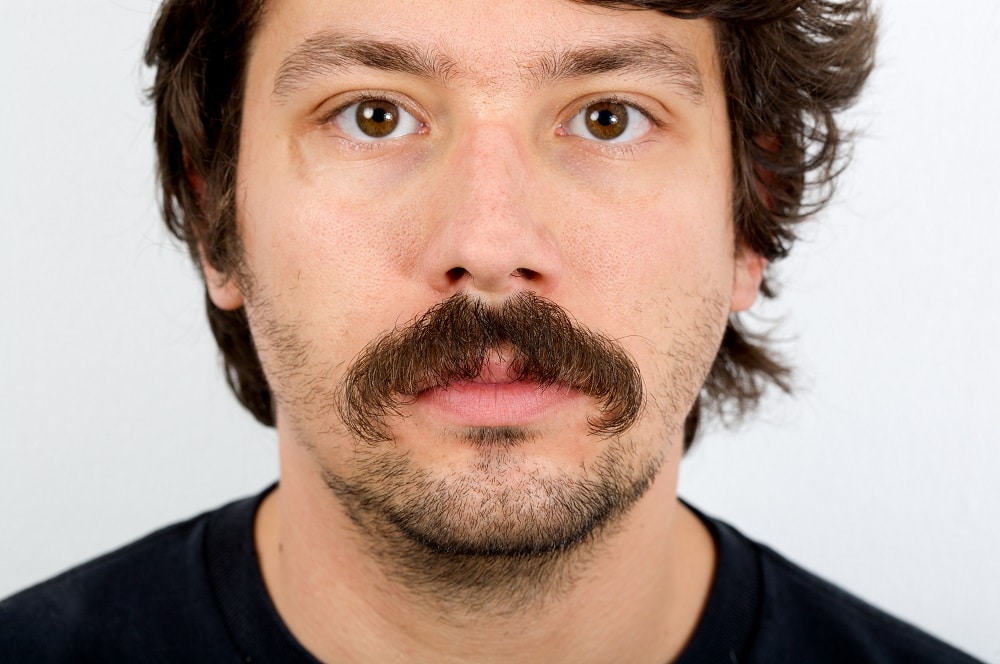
pixel 762 609
pixel 150 597
pixel 802 613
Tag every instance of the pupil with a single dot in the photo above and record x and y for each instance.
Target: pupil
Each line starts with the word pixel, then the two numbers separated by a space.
pixel 606 118
pixel 378 115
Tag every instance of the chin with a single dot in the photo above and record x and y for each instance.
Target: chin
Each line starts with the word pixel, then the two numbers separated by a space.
pixel 495 491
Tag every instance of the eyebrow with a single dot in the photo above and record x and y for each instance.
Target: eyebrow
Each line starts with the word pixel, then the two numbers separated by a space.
pixel 330 53
pixel 657 58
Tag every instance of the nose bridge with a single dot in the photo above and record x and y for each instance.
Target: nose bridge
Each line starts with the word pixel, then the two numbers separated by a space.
pixel 491 170
pixel 491 237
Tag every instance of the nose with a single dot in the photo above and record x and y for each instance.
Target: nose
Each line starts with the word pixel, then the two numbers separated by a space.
pixel 492 234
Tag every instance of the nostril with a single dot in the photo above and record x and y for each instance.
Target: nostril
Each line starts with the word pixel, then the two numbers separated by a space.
pixel 525 273
pixel 455 274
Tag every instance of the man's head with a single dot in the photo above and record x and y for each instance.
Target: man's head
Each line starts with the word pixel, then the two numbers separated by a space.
pixel 479 262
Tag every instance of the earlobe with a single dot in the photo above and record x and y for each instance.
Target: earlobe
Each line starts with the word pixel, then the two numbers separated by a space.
pixel 222 288
pixel 748 274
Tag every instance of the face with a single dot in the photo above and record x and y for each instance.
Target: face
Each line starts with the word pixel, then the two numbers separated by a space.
pixel 423 152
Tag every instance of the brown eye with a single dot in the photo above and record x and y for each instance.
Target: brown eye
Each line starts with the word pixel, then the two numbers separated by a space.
pixel 610 121
pixel 377 118
pixel 606 120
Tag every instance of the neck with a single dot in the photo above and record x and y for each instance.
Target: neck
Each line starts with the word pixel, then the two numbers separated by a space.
pixel 635 595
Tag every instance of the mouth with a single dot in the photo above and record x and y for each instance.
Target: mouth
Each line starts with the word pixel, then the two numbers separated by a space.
pixel 496 397
pixel 472 364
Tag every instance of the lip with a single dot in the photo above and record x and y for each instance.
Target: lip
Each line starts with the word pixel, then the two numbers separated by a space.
pixel 495 398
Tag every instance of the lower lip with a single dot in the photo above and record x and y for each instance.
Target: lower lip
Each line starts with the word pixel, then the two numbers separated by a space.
pixel 496 404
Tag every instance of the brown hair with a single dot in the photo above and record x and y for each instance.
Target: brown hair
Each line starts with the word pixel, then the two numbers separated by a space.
pixel 788 65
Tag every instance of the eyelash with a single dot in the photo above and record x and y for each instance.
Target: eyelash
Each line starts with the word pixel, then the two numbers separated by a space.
pixel 359 98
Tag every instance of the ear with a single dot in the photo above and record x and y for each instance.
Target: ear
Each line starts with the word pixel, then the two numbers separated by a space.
pixel 749 266
pixel 748 273
pixel 222 289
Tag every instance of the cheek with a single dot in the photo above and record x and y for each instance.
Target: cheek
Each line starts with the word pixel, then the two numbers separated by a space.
pixel 330 246
pixel 654 239
pixel 311 222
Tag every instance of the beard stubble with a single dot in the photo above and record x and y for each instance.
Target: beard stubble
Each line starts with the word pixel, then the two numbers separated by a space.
pixel 509 532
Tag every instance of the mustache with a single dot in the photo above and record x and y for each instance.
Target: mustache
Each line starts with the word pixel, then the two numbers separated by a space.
pixel 453 341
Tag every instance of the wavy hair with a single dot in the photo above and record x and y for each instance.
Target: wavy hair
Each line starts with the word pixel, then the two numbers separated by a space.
pixel 789 67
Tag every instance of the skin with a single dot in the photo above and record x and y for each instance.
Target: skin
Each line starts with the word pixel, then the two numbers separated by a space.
pixel 496 191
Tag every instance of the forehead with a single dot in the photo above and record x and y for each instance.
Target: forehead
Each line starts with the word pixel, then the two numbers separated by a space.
pixel 493 44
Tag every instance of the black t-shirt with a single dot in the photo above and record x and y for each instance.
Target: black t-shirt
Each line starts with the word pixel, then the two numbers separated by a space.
pixel 193 592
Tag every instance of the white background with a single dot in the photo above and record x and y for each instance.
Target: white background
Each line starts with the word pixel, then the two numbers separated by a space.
pixel 880 475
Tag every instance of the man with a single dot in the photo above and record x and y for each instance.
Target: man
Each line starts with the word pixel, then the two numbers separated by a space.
pixel 480 266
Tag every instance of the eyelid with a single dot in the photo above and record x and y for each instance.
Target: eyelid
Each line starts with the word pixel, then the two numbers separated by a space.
pixel 624 100
pixel 359 96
